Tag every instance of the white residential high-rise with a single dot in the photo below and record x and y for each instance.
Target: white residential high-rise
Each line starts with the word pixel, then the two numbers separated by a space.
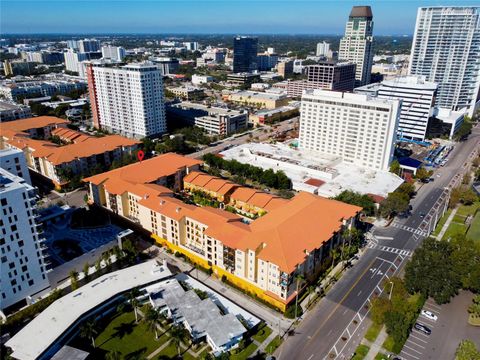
pixel 22 254
pixel 73 60
pixel 357 44
pixel 14 162
pixel 358 128
pixel 113 52
pixel 127 100
pixel 417 97
pixel 446 50
pixel 322 49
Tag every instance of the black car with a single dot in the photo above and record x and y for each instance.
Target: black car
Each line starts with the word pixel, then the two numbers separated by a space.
pixel 422 328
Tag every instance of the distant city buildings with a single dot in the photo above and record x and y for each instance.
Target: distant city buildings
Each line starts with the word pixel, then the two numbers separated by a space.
pixel 13 90
pixel 23 262
pixel 243 78
pixel 329 75
pixel 88 45
pixel 18 67
pixel 245 49
pixel 201 79
pixel 285 68
pixel 446 50
pixel 357 44
pixel 360 129
pixel 74 60
pixel 166 65
pixel 187 92
pixel 267 61
pixel 214 120
pixel 10 111
pixel 127 100
pixel 258 99
pixel 113 52
pixel 322 49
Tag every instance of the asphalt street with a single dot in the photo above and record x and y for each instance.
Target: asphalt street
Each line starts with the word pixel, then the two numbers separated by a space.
pixel 333 329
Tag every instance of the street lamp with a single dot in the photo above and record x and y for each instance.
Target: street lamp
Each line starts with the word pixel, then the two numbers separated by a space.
pixel 391 290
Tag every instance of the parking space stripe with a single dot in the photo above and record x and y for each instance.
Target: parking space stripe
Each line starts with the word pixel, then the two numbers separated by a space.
pixel 408 347
pixel 419 333
pixel 418 339
pixel 415 344
pixel 408 354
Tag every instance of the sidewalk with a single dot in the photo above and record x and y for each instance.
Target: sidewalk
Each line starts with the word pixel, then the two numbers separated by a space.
pixel 376 346
pixel 447 224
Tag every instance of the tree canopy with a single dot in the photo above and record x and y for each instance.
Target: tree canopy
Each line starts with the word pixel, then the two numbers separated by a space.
pixel 355 198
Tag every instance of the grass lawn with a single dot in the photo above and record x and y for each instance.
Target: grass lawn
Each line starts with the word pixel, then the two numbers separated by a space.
pixel 171 352
pixel 442 221
pixel 273 345
pixel 130 339
pixel 262 334
pixel 360 352
pixel 465 210
pixel 245 353
pixel 474 231
pixel 454 229
pixel 381 356
pixel 373 332
pixel 391 346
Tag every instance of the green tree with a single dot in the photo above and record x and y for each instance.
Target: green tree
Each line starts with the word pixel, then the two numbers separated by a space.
pixel 467 351
pixel 355 198
pixel 380 306
pixel 395 167
pixel 86 268
pixel 74 279
pixel 178 335
pixel 132 298
pixel 89 331
pixel 423 174
pixel 395 203
pixel 431 271
pixel 474 308
pixel 407 189
pixel 397 325
pixel 151 319
pixel 465 257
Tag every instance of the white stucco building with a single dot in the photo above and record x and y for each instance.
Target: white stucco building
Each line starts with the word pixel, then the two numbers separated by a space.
pixel 127 100
pixel 358 128
pixel 22 254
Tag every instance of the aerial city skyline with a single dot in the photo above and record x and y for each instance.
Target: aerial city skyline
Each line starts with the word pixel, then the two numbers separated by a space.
pixel 210 183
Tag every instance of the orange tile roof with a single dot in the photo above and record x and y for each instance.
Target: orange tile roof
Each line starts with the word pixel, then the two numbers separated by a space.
pixel 32 123
pixel 302 224
pixel 243 194
pixel 208 182
pixel 68 134
pixel 147 171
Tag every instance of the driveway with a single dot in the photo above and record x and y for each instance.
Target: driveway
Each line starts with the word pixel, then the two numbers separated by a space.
pixel 450 328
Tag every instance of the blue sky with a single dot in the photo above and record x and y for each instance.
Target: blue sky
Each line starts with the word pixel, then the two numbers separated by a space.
pixel 227 16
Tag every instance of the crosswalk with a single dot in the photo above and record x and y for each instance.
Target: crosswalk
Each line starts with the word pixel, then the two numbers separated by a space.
pixel 409 229
pixel 389 249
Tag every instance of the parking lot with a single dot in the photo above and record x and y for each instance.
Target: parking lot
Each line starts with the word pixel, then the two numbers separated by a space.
pixel 448 330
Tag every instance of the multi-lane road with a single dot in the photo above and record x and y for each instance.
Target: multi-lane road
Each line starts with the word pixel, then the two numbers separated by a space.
pixel 335 326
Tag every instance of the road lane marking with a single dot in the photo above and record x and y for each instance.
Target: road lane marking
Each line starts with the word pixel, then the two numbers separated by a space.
pixel 344 297
pixel 359 293
pixel 311 357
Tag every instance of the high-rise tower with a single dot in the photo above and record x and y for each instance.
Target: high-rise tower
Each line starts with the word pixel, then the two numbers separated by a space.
pixel 357 44
pixel 245 49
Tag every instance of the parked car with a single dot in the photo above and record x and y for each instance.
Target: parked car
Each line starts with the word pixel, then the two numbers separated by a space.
pixel 422 328
pixel 429 315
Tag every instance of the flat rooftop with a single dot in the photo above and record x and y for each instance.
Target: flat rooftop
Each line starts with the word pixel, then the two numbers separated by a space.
pixel 203 316
pixel 258 95
pixel 39 335
pixel 9 106
pixel 307 168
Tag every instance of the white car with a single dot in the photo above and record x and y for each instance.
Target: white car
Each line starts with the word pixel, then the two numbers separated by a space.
pixel 429 315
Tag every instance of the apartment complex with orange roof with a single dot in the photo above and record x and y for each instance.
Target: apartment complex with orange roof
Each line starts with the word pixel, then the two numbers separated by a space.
pixel 79 156
pixel 262 256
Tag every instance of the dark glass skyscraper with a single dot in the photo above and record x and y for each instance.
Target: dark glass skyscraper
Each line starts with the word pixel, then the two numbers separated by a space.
pixel 245 50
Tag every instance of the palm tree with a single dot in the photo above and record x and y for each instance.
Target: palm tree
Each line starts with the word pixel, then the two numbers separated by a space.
pixel 178 334
pixel 113 355
pixel 335 253
pixel 132 297
pixel 299 278
pixel 89 330
pixel 152 317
